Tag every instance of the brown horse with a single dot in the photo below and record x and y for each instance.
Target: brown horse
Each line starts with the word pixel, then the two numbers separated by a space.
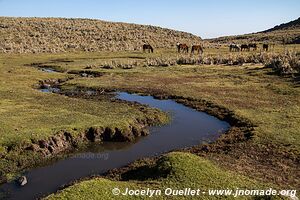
pixel 147 47
pixel 182 47
pixel 245 47
pixel 197 48
pixel 265 47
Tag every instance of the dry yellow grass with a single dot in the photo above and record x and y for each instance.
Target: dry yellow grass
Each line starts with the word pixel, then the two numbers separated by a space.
pixel 33 35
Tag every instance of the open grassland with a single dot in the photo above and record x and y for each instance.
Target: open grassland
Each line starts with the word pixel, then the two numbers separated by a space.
pixel 251 91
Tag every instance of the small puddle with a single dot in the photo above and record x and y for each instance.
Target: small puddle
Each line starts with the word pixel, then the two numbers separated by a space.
pixel 187 128
pixel 49 70
pixel 50 90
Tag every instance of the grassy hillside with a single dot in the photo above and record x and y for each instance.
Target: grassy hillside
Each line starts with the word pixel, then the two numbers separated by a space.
pixel 288 33
pixel 24 35
pixel 295 24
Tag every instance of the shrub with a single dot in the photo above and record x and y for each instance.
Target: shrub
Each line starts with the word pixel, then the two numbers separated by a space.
pixel 287 63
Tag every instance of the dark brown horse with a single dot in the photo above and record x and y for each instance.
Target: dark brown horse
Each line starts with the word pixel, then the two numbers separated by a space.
pixel 197 48
pixel 253 46
pixel 147 47
pixel 182 47
pixel 245 47
pixel 265 47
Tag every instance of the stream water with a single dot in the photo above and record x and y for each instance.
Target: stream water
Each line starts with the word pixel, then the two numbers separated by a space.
pixel 188 127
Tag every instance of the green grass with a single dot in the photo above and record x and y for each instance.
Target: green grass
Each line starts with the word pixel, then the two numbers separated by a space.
pixel 269 101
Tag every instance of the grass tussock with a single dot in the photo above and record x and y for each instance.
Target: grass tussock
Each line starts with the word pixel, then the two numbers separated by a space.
pixel 281 63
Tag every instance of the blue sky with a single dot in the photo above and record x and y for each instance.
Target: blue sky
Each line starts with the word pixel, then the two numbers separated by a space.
pixel 206 18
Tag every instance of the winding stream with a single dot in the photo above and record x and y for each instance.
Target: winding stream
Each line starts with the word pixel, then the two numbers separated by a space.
pixel 187 128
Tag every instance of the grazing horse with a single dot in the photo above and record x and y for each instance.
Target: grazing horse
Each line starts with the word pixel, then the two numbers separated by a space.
pixel 253 45
pixel 197 48
pixel 147 47
pixel 182 47
pixel 245 46
pixel 265 47
pixel 234 47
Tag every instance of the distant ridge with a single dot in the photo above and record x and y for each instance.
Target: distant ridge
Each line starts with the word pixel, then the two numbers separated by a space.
pixel 35 35
pixel 287 33
pixel 295 24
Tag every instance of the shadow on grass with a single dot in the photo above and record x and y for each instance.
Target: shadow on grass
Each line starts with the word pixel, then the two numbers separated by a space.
pixel 147 172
